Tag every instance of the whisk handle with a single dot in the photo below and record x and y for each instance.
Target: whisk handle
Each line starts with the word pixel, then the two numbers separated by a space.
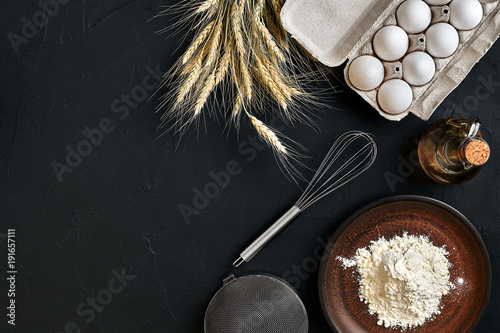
pixel 269 234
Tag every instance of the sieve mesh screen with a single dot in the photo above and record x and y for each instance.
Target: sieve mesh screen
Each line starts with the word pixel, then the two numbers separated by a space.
pixel 255 303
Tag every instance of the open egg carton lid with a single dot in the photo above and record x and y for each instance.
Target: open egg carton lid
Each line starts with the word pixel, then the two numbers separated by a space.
pixel 333 31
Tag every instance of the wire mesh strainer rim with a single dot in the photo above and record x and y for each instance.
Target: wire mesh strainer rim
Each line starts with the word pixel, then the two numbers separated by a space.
pixel 293 301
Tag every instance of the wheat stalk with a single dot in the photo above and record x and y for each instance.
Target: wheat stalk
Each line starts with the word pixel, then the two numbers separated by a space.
pixel 241 45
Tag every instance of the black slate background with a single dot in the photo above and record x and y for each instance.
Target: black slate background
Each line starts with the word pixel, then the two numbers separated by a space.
pixel 119 208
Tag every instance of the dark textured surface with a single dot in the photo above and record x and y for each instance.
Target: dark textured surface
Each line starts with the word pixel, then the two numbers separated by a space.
pixel 118 209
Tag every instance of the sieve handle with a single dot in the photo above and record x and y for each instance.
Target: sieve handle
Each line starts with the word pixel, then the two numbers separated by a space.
pixel 269 234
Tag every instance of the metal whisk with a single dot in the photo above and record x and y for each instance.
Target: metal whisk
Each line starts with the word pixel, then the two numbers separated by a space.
pixel 339 167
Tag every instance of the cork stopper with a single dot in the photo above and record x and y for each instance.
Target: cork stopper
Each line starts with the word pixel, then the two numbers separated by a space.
pixel 477 152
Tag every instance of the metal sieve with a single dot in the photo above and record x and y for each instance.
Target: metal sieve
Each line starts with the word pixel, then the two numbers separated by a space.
pixel 255 303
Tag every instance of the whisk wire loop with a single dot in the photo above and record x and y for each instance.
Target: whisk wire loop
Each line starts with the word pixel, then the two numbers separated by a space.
pixel 324 181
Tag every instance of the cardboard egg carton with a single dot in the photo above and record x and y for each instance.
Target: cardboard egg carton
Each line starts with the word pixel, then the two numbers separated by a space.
pixel 334 31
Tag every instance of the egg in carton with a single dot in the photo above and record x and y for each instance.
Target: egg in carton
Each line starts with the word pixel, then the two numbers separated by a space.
pixel 403 56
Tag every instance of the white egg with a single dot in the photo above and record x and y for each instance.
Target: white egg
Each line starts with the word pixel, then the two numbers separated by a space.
pixel 465 14
pixel 437 2
pixel 413 16
pixel 418 68
pixel 442 40
pixel 394 96
pixel 366 72
pixel 390 43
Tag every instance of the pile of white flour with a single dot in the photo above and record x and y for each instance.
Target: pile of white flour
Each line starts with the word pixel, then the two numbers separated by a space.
pixel 402 279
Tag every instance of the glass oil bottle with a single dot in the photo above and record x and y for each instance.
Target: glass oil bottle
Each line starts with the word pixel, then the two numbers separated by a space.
pixel 452 150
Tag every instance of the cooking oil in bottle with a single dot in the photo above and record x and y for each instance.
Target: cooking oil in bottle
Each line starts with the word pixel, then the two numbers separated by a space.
pixel 452 150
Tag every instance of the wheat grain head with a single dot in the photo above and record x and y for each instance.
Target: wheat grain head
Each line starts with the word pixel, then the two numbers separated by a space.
pixel 269 136
pixel 202 36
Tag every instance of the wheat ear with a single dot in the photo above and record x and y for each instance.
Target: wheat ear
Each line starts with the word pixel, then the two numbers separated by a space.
pixel 266 78
pixel 276 30
pixel 205 92
pixel 188 67
pixel 264 32
pixel 197 42
pixel 268 135
pixel 224 62
pixel 205 5
pixel 238 105
pixel 190 81
pixel 214 50
pixel 287 89
pixel 246 78
pixel 236 21
pixel 277 4
pixel 210 53
pixel 236 16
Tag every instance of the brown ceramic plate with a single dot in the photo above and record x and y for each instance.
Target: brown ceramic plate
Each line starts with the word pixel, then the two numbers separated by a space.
pixel 462 307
